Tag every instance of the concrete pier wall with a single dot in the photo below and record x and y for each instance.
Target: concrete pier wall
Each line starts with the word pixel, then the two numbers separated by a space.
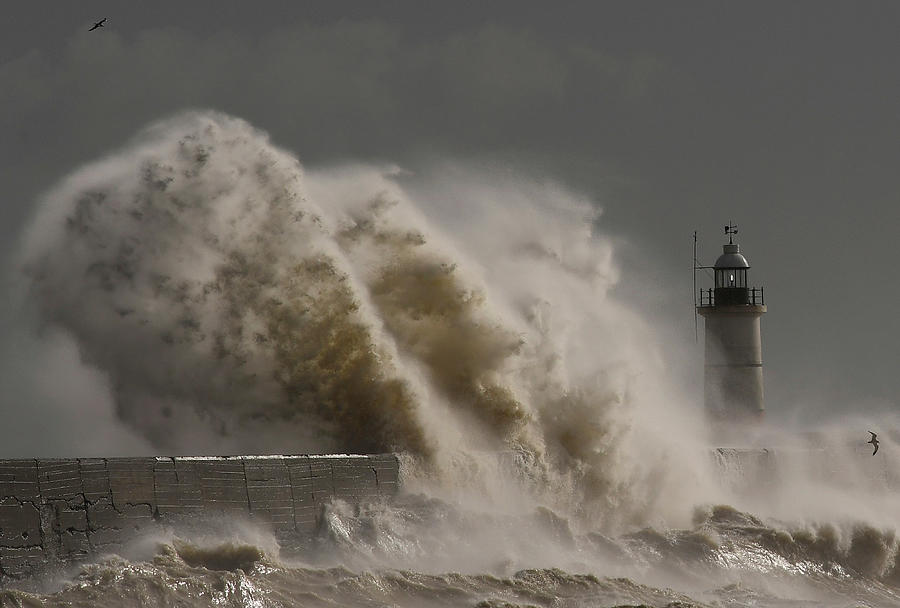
pixel 62 510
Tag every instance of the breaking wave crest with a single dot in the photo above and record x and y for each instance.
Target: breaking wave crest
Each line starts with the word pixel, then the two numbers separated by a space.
pixel 237 302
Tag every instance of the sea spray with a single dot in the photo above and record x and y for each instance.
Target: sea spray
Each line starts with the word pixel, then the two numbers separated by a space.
pixel 190 270
pixel 235 300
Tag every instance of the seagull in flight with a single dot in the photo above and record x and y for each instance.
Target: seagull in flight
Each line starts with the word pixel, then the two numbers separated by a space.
pixel 98 24
pixel 873 441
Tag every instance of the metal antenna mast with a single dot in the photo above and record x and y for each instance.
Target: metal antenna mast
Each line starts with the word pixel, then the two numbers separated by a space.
pixel 694 289
pixel 698 266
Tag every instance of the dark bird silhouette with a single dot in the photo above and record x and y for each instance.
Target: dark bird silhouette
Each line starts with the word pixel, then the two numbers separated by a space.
pixel 873 441
pixel 98 24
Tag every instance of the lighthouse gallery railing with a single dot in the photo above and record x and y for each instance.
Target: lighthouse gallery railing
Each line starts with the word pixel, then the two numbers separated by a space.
pixel 754 297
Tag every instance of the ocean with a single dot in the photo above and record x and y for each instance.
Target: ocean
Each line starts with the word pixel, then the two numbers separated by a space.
pixel 422 551
pixel 554 451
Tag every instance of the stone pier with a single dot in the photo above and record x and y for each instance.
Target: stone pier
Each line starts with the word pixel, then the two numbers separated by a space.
pixel 63 510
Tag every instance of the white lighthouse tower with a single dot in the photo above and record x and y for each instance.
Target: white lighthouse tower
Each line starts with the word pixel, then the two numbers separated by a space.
pixel 733 372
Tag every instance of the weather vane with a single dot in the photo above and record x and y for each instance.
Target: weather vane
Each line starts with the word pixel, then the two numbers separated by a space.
pixel 731 230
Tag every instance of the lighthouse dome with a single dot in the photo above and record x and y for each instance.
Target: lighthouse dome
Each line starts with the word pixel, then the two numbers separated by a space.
pixel 732 258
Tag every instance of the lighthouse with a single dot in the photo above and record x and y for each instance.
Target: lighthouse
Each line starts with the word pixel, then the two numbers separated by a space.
pixel 733 371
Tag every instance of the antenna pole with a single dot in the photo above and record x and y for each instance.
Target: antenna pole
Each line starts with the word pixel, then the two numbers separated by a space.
pixel 694 289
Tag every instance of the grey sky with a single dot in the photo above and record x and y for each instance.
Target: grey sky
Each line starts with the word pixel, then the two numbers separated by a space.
pixel 781 117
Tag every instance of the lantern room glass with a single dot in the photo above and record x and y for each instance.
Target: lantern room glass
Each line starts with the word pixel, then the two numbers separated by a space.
pixel 731 277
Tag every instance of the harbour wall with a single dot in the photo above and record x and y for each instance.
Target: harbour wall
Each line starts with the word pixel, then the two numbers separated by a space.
pixel 58 511
pixel 770 471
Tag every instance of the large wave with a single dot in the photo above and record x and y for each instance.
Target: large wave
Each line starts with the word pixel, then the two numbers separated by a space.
pixel 235 300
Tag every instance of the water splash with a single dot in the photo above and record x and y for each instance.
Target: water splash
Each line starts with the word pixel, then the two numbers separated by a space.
pixel 234 300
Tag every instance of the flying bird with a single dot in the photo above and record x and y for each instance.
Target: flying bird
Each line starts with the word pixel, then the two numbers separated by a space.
pixel 98 24
pixel 873 441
